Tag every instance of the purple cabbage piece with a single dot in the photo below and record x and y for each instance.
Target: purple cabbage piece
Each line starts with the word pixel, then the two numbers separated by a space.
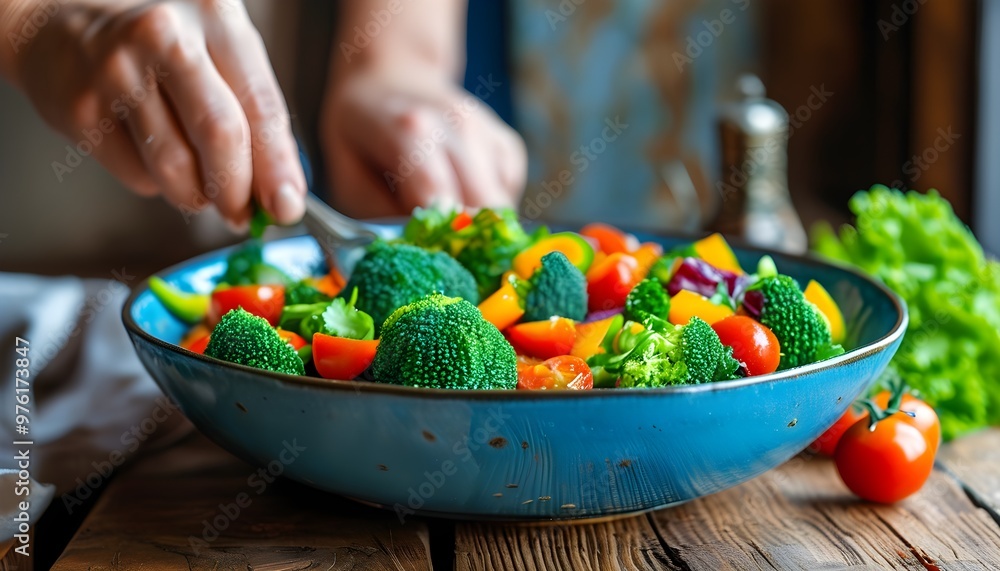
pixel 753 303
pixel 603 314
pixel 697 275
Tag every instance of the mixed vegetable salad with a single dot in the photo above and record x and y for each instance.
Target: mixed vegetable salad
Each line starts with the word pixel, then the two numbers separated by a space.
pixel 474 301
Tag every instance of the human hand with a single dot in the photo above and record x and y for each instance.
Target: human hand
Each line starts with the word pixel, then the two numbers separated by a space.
pixel 173 97
pixel 399 138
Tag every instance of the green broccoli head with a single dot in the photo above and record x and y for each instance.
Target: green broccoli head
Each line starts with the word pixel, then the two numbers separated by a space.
pixel 661 354
pixel 443 342
pixel 458 282
pixel 489 244
pixel 707 359
pixel 801 330
pixel 556 288
pixel 245 339
pixel 648 298
pixel 392 275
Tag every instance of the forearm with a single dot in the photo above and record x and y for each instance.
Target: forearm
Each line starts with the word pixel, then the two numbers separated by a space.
pixel 429 34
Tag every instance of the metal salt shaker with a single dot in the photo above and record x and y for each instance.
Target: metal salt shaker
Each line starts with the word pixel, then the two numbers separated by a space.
pixel 755 204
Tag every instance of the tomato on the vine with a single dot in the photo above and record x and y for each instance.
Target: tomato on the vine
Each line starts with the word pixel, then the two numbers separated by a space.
pixel 922 415
pixel 557 373
pixel 753 343
pixel 892 459
pixel 826 444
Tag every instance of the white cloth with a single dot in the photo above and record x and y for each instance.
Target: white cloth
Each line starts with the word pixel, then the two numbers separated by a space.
pixel 92 408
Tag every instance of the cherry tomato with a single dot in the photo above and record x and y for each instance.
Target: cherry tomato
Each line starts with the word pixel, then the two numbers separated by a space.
pixel 827 443
pixel 610 239
pixel 543 339
pixel 610 280
pixel 292 338
pixel 924 417
pixel 753 343
pixel 341 358
pixel 888 463
pixel 558 373
pixel 267 301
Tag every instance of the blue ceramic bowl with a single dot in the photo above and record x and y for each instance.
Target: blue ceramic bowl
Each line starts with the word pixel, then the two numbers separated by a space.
pixel 514 454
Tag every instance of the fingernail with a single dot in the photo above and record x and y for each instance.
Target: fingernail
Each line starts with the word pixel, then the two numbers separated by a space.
pixel 241 227
pixel 289 205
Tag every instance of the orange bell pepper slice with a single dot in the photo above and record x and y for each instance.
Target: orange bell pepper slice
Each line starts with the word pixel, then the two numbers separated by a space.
pixel 687 304
pixel 589 337
pixel 543 339
pixel 503 308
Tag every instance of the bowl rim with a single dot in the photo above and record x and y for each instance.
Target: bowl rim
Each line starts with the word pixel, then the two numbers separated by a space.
pixel 877 346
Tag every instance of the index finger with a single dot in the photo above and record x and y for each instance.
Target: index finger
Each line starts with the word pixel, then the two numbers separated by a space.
pixel 279 185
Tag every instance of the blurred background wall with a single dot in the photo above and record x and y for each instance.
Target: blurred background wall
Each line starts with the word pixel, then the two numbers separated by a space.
pixel 915 102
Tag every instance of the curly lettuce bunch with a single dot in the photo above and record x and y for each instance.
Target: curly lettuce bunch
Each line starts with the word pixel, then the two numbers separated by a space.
pixel 916 245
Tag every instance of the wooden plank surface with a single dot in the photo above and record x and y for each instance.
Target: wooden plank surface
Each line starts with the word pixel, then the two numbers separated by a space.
pixel 11 561
pixel 621 544
pixel 975 461
pixel 799 516
pixel 154 516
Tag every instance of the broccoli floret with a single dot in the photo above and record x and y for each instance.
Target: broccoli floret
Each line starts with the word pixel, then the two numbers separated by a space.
pixel 648 298
pixel 246 266
pixel 490 244
pixel 801 330
pixel 443 342
pixel 556 288
pixel 661 354
pixel 245 339
pixel 458 282
pixel 393 275
pixel 303 293
pixel 485 247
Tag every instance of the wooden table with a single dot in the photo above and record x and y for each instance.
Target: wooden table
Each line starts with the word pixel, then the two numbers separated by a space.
pixel 154 516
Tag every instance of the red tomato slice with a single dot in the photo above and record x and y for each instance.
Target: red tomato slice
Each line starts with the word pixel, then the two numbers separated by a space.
pixel 610 239
pixel 341 358
pixel 610 281
pixel 266 301
pixel 558 373
pixel 543 339
pixel 753 343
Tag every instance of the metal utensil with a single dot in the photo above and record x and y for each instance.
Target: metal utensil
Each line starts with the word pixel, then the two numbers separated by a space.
pixel 342 237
